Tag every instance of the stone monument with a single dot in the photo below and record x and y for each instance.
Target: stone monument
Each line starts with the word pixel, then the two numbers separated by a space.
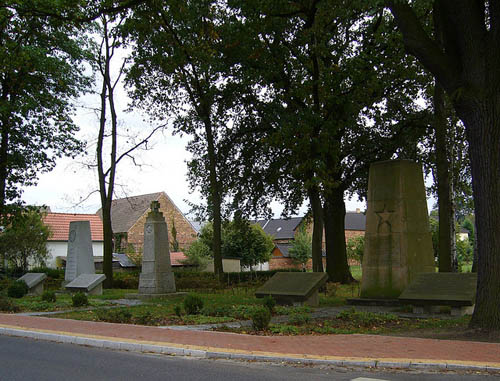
pixel 293 288
pixel 87 283
pixel 80 258
pixel 156 277
pixel 35 282
pixel 398 243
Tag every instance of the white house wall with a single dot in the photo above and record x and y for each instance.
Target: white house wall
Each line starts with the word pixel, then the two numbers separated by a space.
pixel 60 249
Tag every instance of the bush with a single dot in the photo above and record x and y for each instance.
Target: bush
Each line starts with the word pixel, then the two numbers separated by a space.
pixel 299 318
pixel 126 280
pixel 193 304
pixel 217 311
pixel 261 319
pixel 7 305
pixel 50 272
pixel 49 296
pixel 17 289
pixel 117 315
pixel 178 310
pixel 79 299
pixel 269 303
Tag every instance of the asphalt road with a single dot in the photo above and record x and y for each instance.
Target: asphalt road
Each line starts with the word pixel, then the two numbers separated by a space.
pixel 27 359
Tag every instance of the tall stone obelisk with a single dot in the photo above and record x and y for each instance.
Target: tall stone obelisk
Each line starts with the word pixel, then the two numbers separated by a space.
pixel 398 243
pixel 156 276
pixel 79 258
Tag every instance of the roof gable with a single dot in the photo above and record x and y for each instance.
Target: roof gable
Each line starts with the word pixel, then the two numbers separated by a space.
pixel 126 211
pixel 59 225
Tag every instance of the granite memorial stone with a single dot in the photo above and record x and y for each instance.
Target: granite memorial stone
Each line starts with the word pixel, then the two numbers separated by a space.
pixel 88 283
pixel 156 277
pixel 429 291
pixel 80 258
pixel 34 282
pixel 398 243
pixel 293 288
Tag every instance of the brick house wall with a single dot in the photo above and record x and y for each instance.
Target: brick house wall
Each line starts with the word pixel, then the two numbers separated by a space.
pixel 186 234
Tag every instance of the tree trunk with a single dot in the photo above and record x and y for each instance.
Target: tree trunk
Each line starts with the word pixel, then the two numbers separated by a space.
pixel 215 197
pixel 444 189
pixel 483 131
pixel 4 146
pixel 317 236
pixel 337 265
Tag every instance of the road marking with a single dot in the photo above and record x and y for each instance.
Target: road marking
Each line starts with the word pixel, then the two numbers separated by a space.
pixel 367 379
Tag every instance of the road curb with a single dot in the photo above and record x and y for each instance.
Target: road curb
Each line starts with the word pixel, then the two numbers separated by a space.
pixel 218 353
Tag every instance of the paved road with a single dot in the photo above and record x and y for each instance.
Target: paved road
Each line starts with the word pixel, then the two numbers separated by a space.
pixel 27 359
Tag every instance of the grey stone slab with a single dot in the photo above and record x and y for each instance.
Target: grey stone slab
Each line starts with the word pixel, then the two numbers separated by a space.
pixel 35 282
pixel 293 287
pixel 398 243
pixel 87 283
pixel 156 274
pixel 450 289
pixel 80 258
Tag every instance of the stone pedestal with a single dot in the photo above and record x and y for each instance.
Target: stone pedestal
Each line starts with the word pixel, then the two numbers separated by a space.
pixel 156 276
pixel 35 282
pixel 80 257
pixel 398 242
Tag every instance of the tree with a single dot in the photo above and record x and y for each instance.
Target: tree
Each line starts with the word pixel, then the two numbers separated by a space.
pixel 301 248
pixel 247 241
pixel 323 70
pixel 178 72
pixel 467 67
pixel 355 247
pixel 24 240
pixel 41 71
pixel 174 246
pixel 240 239
pixel 108 129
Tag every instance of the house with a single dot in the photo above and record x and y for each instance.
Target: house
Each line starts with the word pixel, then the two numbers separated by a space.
pixel 128 216
pixel 58 223
pixel 283 232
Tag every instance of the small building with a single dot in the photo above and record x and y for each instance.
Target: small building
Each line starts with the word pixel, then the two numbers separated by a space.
pixel 58 223
pixel 128 216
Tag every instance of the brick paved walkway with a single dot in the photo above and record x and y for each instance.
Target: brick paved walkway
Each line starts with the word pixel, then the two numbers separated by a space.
pixel 345 346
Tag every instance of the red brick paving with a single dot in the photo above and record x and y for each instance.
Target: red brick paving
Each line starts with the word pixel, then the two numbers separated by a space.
pixel 371 346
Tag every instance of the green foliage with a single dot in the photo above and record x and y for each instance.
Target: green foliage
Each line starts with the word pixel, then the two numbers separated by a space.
pixel 193 304
pixel 178 310
pixel 79 299
pixel 114 315
pixel 301 249
pixel 126 280
pixel 217 310
pixel 365 319
pixel 42 61
pixel 261 318
pixel 240 239
pixel 269 303
pixel 24 241
pixel 465 252
pixel 299 318
pixel 50 272
pixel 355 247
pixel 6 305
pixel 49 296
pixel 17 289
pixel 198 254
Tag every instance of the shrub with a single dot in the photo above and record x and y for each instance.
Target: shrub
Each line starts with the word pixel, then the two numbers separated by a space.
pixel 49 296
pixel 217 311
pixel 178 310
pixel 129 280
pixel 17 289
pixel 269 303
pixel 79 299
pixel 261 319
pixel 7 305
pixel 193 304
pixel 299 318
pixel 117 315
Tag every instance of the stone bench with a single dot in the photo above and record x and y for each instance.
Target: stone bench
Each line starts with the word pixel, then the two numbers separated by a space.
pixel 293 288
pixel 87 283
pixel 428 292
pixel 35 282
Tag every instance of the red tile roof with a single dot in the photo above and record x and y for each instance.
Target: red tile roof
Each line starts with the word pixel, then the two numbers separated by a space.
pixel 176 257
pixel 59 224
